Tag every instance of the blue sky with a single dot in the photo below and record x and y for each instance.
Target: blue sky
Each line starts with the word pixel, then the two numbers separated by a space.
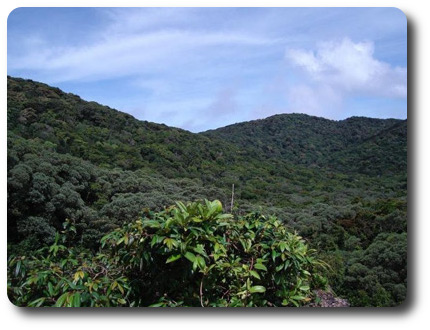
pixel 203 68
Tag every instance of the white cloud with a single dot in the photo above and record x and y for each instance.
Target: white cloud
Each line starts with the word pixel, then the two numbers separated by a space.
pixel 306 60
pixel 350 67
pixel 315 100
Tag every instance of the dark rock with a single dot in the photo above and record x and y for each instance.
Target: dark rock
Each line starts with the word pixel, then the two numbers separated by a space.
pixel 327 299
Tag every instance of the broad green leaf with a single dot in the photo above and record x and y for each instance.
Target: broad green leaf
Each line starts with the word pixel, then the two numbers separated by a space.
pixel 255 274
pixel 122 301
pixel 77 300
pixel 18 267
pixel 120 288
pixel 200 250
pixel 160 304
pixel 182 207
pixel 50 289
pixel 305 288
pixel 217 205
pixel 60 301
pixel 224 216
pixel 170 243
pixel 258 289
pixel 201 262
pixel 297 297
pixel 37 303
pixel 260 267
pixel 190 256
pixel 151 223
pixel 295 303
pixel 274 255
pixel 95 295
pixel 282 246
pixel 169 222
pixel 154 240
pixel 173 258
pixel 79 274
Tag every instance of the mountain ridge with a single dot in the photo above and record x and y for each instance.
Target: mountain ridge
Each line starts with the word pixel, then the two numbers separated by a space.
pixel 281 136
pixel 294 138
pixel 63 93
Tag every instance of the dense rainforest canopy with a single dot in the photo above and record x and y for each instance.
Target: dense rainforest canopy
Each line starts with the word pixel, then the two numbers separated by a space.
pixel 337 188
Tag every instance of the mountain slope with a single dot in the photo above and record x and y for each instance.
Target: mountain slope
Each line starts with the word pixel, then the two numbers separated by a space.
pixel 276 161
pixel 383 153
pixel 105 136
pixel 319 142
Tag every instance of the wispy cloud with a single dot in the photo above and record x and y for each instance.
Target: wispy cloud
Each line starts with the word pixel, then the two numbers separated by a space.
pixel 147 53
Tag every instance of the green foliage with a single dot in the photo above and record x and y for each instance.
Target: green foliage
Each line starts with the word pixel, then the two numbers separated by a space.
pixel 188 255
pixel 379 272
pixel 355 145
pixel 64 276
pixel 339 184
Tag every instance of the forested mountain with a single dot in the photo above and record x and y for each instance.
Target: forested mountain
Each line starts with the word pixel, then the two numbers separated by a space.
pixel 342 185
pixel 104 136
pixel 322 143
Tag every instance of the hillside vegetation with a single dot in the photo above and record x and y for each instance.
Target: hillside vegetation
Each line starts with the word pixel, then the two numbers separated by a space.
pixel 340 185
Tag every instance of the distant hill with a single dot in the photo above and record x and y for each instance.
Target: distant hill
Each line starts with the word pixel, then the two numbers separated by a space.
pixel 318 142
pixel 105 136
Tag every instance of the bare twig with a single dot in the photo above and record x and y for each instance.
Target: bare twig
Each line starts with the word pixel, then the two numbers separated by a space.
pixel 232 198
pixel 225 293
pixel 201 292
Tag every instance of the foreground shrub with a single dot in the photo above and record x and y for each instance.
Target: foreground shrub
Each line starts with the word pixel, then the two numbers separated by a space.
pixel 187 255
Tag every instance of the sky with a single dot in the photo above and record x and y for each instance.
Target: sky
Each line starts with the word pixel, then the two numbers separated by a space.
pixel 204 68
